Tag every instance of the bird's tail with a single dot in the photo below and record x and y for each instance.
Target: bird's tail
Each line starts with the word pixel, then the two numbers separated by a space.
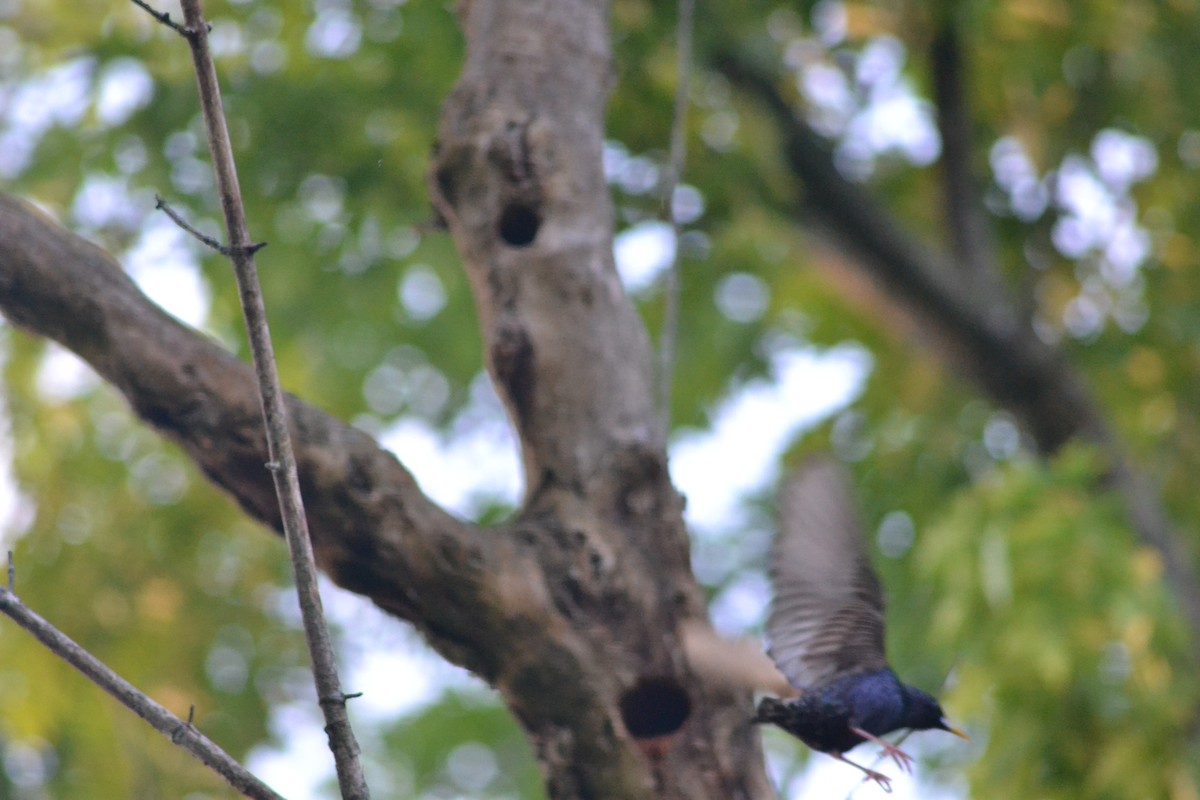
pixel 770 711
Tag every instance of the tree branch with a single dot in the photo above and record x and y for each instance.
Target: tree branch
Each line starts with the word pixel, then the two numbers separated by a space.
pixel 978 327
pixel 181 733
pixel 573 610
pixel 282 464
pixel 163 17
pixel 981 333
pixel 372 529
pixel 566 611
pixel 482 600
pixel 677 155
pixel 970 233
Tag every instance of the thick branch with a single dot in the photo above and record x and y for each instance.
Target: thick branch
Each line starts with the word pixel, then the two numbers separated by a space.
pixel 981 332
pixel 573 611
pixel 567 612
pixel 372 529
pixel 970 234
pixel 179 732
pixel 481 600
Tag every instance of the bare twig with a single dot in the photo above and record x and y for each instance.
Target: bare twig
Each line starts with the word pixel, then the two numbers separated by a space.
pixel 162 17
pixel 675 161
pixel 12 571
pixel 175 216
pixel 287 484
pixel 179 732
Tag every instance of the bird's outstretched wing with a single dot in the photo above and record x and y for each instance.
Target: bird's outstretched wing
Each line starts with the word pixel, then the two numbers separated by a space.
pixel 826 617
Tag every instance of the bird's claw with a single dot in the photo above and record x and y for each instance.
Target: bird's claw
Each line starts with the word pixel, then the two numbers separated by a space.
pixel 903 760
pixel 884 781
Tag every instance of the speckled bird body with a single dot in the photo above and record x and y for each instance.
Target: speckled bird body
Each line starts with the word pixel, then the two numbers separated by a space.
pixel 826 629
pixel 876 702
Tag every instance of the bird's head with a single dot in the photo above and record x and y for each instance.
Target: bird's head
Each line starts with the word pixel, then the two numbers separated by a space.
pixel 925 713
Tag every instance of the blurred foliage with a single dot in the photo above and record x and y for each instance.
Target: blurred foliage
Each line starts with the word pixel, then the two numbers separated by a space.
pixel 1079 613
pixel 489 756
pixel 1068 661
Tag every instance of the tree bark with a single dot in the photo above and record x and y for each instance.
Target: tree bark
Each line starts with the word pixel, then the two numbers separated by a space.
pixel 573 610
pixel 517 177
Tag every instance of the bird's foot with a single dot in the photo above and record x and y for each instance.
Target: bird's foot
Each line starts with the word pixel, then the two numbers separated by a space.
pixel 884 781
pixel 903 760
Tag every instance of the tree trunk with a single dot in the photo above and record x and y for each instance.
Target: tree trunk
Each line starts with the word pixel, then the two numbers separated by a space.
pixel 572 610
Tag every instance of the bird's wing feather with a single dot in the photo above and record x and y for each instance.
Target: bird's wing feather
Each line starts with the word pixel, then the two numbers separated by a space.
pixel 826 618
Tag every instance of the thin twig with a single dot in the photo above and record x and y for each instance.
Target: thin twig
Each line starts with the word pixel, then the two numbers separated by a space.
pixel 287 484
pixel 675 161
pixel 12 571
pixel 163 17
pixel 161 204
pixel 179 732
pixel 205 239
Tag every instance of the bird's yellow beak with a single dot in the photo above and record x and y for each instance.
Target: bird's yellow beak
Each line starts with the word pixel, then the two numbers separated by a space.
pixel 959 732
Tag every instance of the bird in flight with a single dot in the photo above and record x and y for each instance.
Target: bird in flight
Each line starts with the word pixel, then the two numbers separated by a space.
pixel 826 630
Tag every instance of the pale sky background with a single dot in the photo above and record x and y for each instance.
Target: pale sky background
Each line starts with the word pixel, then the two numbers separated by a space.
pixel 716 467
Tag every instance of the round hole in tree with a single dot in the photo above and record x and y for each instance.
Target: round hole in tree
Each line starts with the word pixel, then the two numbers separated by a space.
pixel 519 224
pixel 655 707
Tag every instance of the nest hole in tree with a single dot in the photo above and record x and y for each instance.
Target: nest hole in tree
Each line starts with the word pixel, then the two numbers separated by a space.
pixel 519 224
pixel 655 707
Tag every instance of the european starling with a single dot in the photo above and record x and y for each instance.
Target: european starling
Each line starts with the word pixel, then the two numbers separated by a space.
pixel 825 631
